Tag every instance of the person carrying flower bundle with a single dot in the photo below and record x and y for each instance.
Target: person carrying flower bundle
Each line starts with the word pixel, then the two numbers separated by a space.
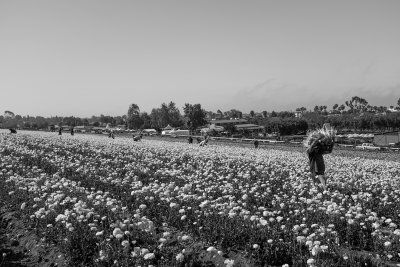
pixel 318 143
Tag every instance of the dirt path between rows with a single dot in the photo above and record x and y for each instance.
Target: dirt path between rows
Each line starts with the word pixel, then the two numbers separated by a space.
pixel 20 246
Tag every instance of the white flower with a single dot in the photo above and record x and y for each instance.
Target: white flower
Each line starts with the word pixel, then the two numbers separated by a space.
pixel 117 231
pixel 61 217
pixel 311 261
pixel 229 262
pixel 180 257
pixel 211 249
pixel 149 256
pixel 165 234
pixel 99 233
pixel 173 205
pixel 23 205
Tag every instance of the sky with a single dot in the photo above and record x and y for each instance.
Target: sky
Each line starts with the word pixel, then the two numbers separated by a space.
pixel 92 57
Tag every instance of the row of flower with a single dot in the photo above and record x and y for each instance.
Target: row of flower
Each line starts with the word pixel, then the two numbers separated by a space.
pixel 113 201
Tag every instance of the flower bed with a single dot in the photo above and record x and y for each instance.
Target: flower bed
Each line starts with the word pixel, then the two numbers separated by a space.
pixel 104 202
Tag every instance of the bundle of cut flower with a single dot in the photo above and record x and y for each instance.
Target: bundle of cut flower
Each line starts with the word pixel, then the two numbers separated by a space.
pixel 321 139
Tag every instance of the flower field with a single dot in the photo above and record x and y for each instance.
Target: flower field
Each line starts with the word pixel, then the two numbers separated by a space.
pixel 114 202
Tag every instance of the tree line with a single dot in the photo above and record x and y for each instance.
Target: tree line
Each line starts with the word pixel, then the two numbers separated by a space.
pixel 192 118
pixel 354 115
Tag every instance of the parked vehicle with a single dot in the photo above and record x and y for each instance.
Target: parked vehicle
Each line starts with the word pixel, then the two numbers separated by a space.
pixel 368 146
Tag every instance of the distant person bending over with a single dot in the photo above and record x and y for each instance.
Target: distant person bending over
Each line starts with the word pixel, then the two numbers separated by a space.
pixel 256 143
pixel 136 138
pixel 13 131
pixel 190 139
pixel 205 141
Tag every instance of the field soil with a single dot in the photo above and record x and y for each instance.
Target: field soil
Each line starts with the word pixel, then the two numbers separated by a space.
pixel 19 245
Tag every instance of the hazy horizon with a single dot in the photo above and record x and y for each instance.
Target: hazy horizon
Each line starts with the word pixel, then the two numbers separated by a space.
pixel 84 58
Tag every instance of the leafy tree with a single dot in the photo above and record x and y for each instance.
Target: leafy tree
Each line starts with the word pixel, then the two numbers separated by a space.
pixel 166 114
pixel 174 115
pixel 252 113
pixel 264 113
pixel 357 104
pixel 194 115
pixel 234 113
pixel 302 109
pixel 41 122
pixel 286 114
pixel 155 119
pixel 133 117
pixel 146 120
pixel 9 114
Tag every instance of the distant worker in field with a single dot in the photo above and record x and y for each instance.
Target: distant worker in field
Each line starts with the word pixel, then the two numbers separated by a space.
pixel 72 131
pixel 318 143
pixel 190 139
pixel 205 141
pixel 13 131
pixel 137 138
pixel 256 143
pixel 60 131
pixel 198 140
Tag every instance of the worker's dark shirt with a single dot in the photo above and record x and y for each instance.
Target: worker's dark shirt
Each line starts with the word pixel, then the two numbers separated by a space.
pixel 316 160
